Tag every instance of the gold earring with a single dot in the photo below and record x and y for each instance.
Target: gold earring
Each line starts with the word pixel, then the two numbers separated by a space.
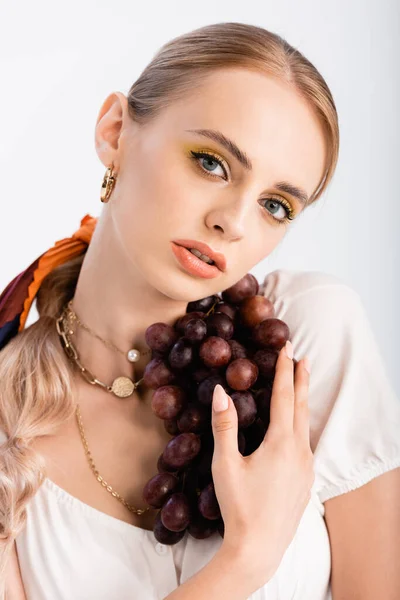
pixel 108 184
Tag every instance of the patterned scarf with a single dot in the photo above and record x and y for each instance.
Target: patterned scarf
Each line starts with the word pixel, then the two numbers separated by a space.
pixel 16 299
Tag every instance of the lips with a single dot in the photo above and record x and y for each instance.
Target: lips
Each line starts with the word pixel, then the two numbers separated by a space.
pixel 218 258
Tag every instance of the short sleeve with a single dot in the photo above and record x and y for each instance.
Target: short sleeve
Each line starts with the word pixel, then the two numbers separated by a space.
pixel 354 412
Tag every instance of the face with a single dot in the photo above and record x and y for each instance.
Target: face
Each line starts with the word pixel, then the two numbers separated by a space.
pixel 173 183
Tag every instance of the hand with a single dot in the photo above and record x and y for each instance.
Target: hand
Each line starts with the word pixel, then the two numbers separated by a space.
pixel 262 497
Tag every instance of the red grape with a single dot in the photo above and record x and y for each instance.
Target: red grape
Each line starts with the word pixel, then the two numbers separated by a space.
pixel 164 535
pixel 246 408
pixel 255 309
pixel 157 373
pixel 266 361
pixel 168 401
pixel 203 305
pixel 228 309
pixel 208 503
pixel 245 287
pixel 238 350
pixel 158 489
pixel 206 388
pixel 160 336
pixel 271 333
pixel 241 374
pixel 181 354
pixel 181 450
pixel 175 514
pixel 181 323
pixel 220 325
pixel 195 330
pixel 215 352
pixel 193 418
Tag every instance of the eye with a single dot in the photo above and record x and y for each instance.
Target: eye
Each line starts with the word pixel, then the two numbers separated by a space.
pixel 210 161
pixel 279 204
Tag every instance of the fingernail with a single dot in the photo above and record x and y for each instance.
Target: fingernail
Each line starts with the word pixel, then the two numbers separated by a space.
pixel 220 399
pixel 307 365
pixel 289 349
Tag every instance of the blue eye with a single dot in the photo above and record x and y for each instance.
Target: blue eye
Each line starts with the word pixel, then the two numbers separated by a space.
pixel 209 158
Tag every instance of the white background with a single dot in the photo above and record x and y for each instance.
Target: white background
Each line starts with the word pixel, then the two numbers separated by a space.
pixel 60 61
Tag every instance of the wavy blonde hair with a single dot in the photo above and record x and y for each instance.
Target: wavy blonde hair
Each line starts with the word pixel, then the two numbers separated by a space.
pixel 36 394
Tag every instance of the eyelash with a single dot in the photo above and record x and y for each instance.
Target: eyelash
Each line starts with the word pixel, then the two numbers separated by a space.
pixel 289 211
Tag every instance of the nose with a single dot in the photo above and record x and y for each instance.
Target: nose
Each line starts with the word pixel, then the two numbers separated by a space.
pixel 230 217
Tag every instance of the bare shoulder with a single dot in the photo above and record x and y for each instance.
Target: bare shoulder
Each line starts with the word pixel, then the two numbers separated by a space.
pixel 14 586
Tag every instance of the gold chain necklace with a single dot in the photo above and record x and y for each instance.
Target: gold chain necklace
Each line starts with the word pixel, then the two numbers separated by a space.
pixel 121 386
pixel 132 355
pixel 137 511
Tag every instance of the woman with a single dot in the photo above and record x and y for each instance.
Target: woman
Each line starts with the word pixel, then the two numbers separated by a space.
pixel 226 137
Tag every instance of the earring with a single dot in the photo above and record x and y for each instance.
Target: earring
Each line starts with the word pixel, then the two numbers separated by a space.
pixel 108 184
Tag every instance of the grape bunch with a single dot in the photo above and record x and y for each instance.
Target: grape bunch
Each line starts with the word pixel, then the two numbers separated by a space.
pixel 233 339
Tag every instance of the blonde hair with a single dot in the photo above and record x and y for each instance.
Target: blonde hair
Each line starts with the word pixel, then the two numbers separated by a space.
pixel 36 394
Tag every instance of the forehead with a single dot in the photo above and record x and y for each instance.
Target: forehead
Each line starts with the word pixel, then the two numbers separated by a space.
pixel 265 117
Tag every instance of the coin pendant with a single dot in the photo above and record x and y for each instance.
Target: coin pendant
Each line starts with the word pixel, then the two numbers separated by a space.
pixel 122 387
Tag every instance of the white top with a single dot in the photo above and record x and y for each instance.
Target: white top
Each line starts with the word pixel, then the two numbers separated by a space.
pixel 70 550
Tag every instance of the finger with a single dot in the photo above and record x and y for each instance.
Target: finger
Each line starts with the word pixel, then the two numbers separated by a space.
pixel 224 425
pixel 282 398
pixel 301 419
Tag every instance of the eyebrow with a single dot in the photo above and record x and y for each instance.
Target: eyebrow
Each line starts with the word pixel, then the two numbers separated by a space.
pixel 243 158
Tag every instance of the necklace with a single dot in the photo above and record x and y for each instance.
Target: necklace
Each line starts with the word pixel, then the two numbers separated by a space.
pixel 132 355
pixel 122 387
pixel 137 511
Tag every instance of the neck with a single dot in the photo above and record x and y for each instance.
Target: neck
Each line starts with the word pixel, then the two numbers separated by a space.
pixel 114 300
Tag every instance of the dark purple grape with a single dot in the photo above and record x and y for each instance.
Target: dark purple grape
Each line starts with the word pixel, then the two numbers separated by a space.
pixel 193 418
pixel 201 528
pixel 255 309
pixel 181 354
pixel 158 373
pixel 246 408
pixel 254 434
pixel 160 337
pixel 175 514
pixel 266 362
pixel 168 401
pixel 271 333
pixel 215 352
pixel 238 350
pixel 171 426
pixel 181 450
pixel 205 390
pixel 241 374
pixel 227 309
pixel 203 463
pixel 256 284
pixel 202 305
pixel 208 503
pixel 263 402
pixel 220 325
pixel 245 287
pixel 181 323
pixel 202 372
pixel 164 535
pixel 163 468
pixel 158 489
pixel 195 330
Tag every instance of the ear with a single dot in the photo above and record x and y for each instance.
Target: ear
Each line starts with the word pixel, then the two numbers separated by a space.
pixel 110 126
